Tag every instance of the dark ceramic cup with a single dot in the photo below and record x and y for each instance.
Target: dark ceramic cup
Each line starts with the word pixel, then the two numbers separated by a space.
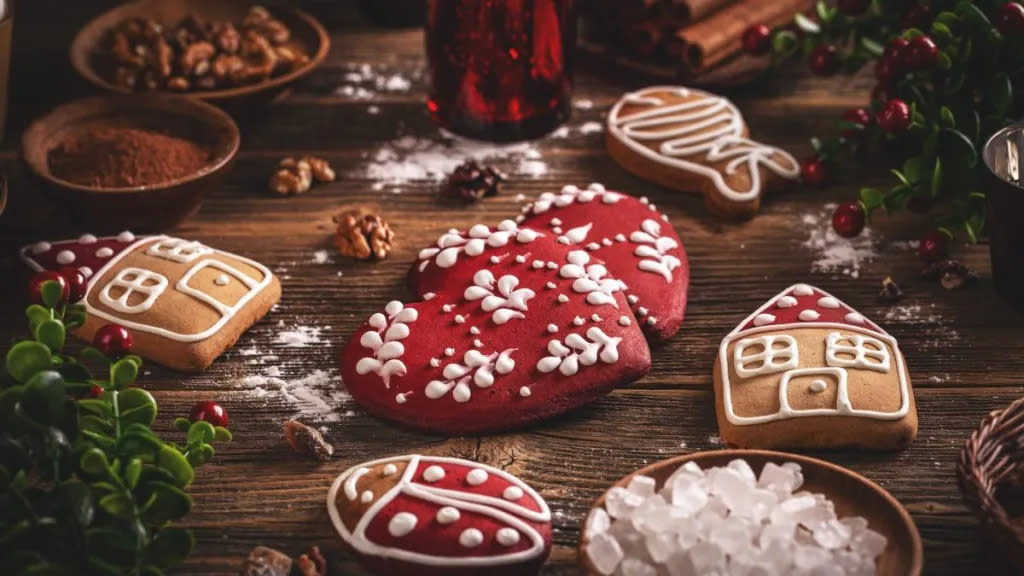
pixel 1002 155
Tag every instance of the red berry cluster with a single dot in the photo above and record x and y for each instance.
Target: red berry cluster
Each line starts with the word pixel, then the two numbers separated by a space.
pixel 71 280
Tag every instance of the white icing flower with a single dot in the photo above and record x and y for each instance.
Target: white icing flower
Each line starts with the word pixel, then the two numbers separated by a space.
pixel 654 249
pixel 507 304
pixel 476 367
pixel 590 280
pixel 386 343
pixel 474 242
pixel 579 351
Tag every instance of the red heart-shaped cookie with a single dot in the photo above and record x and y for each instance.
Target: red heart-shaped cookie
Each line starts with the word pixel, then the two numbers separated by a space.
pixel 634 240
pixel 514 327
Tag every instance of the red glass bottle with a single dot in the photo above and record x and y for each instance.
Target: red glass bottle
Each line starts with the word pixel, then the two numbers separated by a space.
pixel 500 69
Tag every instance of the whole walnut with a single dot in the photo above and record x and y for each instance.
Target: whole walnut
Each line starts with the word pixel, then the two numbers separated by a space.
pixel 363 235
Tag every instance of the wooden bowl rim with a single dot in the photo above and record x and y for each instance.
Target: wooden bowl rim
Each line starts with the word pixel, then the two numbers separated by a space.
pixel 917 552
pixel 209 116
pixel 84 68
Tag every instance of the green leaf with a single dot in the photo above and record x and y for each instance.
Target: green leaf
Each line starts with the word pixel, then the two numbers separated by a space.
pixel 182 424
pixel 899 175
pixel 51 333
pixel 94 355
pixel 824 13
pixel 941 33
pixel 26 358
pixel 36 314
pixel 76 496
pixel 946 118
pixel 123 373
pixel 52 292
pixel 94 462
pixel 784 43
pixel 172 461
pixel 206 453
pixel 871 198
pixel 44 397
pixel 132 472
pixel 95 406
pixel 74 319
pixel 133 359
pixel 913 170
pixel 911 33
pixel 936 185
pixel 944 62
pixel 947 18
pixel 806 24
pixel 167 502
pixel 146 446
pixel 118 505
pixel 136 405
pixel 169 547
pixel 221 434
pixel 871 46
pixel 200 431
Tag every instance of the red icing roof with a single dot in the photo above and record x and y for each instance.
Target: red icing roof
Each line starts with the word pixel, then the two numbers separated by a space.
pixel 804 304
pixel 87 253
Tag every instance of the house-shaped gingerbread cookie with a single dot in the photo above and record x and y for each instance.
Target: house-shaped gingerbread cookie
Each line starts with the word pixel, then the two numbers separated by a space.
pixel 185 303
pixel 807 371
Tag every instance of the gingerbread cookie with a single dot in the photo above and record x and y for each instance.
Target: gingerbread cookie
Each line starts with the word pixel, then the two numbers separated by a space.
pixel 184 302
pixel 694 141
pixel 807 371
pixel 434 516
pixel 514 327
pixel 635 241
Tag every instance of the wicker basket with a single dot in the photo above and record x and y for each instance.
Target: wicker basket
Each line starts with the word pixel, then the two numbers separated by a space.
pixel 991 461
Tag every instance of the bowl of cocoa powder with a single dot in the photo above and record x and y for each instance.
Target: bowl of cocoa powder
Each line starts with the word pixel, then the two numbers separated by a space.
pixel 142 162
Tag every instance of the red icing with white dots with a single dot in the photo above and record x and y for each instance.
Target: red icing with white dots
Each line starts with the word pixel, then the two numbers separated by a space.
pixel 804 304
pixel 87 253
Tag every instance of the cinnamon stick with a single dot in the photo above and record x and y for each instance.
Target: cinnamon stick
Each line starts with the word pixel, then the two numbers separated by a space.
pixel 683 12
pixel 704 44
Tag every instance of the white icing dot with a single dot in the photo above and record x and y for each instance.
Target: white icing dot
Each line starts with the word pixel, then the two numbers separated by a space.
pixel 641 311
pixel 429 296
pixel 449 352
pixel 40 247
pixel 763 319
pixel 593 246
pixel 65 257
pixel 389 470
pixel 855 318
pixel 435 362
pixel 86 271
pixel 819 386
pixel 521 259
pixel 809 315
pixel 624 321
pixel 606 241
pixel 828 302
pixel 552 328
pixel 651 320
pixel 367 497
pixel 222 280
pixel 507 536
pixel 578 321
pixel 477 343
pixel 495 259
pixel 401 398
pixel 563 298
pixel 433 473
pixel 803 290
pixel 448 307
pixel 620 237
pixel 126 236
pixel 555 222
pixel 632 299
pixel 471 538
pixel 474 330
pixel 104 252
pixel 402 524
pixel 595 317
pixel 550 285
pixel 512 493
pixel 552 265
pixel 557 229
pixel 786 302
pixel 448 515
pixel 460 319
pixel 525 391
pixel 476 477
pixel 538 264
pixel 86 239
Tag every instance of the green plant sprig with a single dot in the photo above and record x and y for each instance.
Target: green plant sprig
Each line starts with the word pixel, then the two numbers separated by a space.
pixel 86 485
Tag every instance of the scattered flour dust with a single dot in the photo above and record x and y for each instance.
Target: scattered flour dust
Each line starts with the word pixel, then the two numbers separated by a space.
pixel 298 336
pixel 937 329
pixel 318 397
pixel 321 257
pixel 409 159
pixel 834 254
pixel 365 82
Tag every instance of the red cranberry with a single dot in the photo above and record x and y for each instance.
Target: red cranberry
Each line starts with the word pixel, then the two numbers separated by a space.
pixel 824 60
pixel 76 282
pixel 95 391
pixel 35 286
pixel 757 39
pixel 916 16
pixel 859 116
pixel 848 219
pixel 813 171
pixel 921 53
pixel 894 117
pixel 887 70
pixel 1010 19
pixel 209 411
pixel 934 246
pixel 895 48
pixel 113 340
pixel 853 7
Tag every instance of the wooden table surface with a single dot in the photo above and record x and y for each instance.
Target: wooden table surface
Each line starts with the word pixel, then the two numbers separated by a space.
pixel 965 349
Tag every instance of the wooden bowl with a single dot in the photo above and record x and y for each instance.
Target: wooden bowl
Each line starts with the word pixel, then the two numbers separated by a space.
pixel 307 33
pixel 139 208
pixel 852 494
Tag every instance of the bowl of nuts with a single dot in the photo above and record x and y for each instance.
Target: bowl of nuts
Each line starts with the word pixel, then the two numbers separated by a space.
pixel 224 51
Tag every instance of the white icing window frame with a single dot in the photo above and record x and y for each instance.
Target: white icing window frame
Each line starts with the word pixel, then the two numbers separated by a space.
pixel 225 310
pixel 135 284
pixel 864 358
pixel 178 250
pixel 767 357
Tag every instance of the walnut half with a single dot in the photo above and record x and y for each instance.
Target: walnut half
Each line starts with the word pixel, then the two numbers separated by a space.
pixel 363 235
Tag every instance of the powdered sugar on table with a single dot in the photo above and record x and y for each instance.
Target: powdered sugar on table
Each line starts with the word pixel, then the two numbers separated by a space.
pixel 317 397
pixel 834 254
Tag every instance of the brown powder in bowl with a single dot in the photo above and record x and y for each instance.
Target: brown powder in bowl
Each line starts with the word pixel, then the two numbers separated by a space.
pixel 111 156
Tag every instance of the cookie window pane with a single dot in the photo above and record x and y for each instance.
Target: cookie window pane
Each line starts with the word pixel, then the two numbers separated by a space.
pixel 856 351
pixel 765 355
